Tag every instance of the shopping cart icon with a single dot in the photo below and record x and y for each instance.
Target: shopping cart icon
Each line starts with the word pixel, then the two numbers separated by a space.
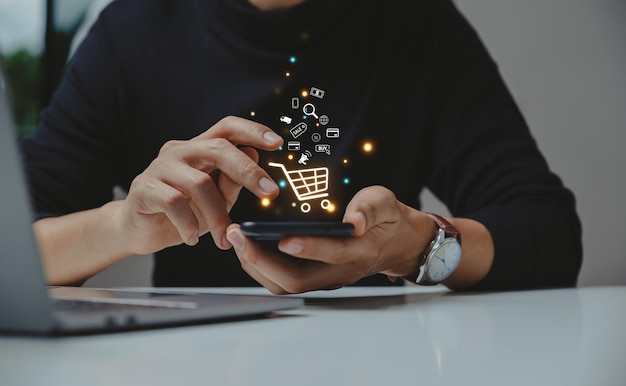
pixel 307 184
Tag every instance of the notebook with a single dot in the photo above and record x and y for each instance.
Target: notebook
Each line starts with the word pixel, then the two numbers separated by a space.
pixel 28 305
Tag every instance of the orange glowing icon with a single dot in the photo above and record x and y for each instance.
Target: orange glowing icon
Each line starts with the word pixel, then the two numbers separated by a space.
pixel 265 202
pixel 368 147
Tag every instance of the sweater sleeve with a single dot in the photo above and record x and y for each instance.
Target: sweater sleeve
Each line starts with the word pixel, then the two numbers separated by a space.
pixel 490 169
pixel 72 158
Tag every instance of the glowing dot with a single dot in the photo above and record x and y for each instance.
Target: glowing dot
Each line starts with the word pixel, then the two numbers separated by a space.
pixel 345 161
pixel 292 59
pixel 304 93
pixel 287 74
pixel 346 181
pixel 282 184
pixel 280 148
pixel 317 124
pixel 290 157
pixel 368 147
pixel 293 204
pixel 265 202
pixel 252 113
pixel 304 117
pixel 331 208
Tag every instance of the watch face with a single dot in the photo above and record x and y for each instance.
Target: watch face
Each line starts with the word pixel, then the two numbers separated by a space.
pixel 443 260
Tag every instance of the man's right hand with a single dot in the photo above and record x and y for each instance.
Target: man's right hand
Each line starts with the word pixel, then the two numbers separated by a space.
pixel 189 189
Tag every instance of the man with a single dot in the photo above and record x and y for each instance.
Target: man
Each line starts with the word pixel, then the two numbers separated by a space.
pixel 410 76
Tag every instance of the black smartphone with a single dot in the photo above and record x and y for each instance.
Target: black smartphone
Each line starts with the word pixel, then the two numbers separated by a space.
pixel 276 230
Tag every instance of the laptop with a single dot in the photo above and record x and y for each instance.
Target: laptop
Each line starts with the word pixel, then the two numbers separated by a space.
pixel 28 305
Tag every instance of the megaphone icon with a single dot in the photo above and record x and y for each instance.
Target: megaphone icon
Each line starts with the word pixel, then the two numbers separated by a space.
pixel 304 157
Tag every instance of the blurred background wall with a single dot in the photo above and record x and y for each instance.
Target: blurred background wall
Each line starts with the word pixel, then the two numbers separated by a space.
pixel 564 61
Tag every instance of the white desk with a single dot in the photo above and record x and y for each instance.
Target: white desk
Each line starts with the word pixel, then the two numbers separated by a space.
pixel 552 337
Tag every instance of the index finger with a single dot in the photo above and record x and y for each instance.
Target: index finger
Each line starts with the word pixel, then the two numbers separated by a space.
pixel 242 131
pixel 330 250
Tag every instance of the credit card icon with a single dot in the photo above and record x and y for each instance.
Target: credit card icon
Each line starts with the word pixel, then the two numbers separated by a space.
pixel 332 132
pixel 293 146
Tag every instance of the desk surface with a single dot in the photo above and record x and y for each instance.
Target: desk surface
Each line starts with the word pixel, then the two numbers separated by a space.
pixel 416 336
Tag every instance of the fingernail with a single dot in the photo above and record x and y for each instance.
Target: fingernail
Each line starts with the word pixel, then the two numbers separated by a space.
pixel 267 185
pixel 235 240
pixel 362 216
pixel 225 242
pixel 292 247
pixel 271 137
pixel 195 239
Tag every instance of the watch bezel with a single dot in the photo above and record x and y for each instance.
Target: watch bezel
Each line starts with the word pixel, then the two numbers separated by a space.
pixel 448 242
pixel 446 233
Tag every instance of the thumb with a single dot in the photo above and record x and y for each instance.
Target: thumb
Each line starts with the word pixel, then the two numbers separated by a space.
pixel 368 208
pixel 358 219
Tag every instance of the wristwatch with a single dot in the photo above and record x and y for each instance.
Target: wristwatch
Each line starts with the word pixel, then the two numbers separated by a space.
pixel 441 256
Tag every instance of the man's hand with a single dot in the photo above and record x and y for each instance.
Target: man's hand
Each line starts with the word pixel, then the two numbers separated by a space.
pixel 388 238
pixel 189 189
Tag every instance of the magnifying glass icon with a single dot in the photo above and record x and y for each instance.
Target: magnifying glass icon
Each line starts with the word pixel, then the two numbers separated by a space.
pixel 309 109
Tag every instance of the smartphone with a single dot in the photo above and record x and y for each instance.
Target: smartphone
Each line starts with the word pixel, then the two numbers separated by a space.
pixel 276 230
